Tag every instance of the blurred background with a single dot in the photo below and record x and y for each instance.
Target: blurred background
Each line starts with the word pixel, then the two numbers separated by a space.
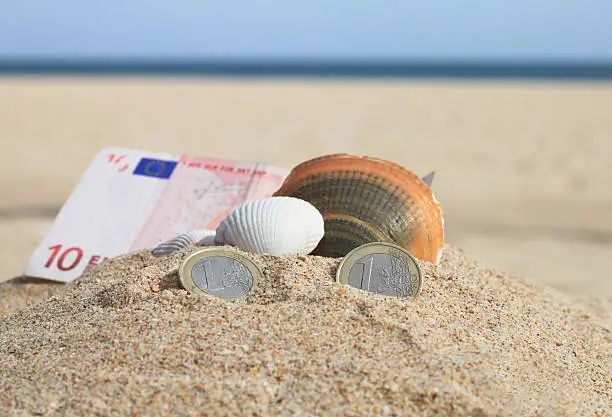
pixel 509 101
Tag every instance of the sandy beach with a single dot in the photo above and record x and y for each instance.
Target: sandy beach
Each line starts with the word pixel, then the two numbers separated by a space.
pixel 522 168
pixel 127 339
pixel 516 320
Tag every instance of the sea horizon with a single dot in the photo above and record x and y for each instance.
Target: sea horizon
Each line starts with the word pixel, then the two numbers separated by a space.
pixel 561 70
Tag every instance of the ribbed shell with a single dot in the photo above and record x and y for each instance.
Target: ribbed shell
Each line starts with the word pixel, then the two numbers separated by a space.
pixel 273 225
pixel 363 200
pixel 182 241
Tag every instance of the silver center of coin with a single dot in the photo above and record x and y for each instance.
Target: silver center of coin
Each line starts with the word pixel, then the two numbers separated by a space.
pixel 382 273
pixel 222 277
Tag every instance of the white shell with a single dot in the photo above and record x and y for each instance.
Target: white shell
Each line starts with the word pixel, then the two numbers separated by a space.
pixel 196 237
pixel 273 225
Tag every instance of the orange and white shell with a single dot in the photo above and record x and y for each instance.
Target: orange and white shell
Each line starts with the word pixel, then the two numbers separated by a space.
pixel 364 199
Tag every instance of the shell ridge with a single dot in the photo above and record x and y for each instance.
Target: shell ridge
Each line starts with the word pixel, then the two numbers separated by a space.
pixel 256 212
pixel 275 232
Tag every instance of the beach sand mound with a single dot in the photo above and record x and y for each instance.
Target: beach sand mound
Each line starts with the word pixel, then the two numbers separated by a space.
pixel 126 339
pixel 18 293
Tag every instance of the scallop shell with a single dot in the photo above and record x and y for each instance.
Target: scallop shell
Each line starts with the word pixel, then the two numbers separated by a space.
pixel 273 225
pixel 365 200
pixel 182 241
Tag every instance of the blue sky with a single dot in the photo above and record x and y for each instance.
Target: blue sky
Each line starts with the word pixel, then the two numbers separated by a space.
pixel 318 29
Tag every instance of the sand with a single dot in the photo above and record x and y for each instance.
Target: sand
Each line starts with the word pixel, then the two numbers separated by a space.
pixel 523 168
pixel 21 292
pixel 126 339
pixel 523 175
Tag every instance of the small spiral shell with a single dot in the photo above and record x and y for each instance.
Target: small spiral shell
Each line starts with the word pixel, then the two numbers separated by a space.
pixel 182 241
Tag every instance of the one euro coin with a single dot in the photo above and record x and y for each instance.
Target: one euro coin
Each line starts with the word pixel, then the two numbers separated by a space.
pixel 382 268
pixel 219 272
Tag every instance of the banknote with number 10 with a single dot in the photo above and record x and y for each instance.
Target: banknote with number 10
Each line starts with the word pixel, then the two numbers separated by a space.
pixel 130 199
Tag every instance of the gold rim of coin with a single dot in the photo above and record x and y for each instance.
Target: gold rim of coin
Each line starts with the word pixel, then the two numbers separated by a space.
pixel 344 269
pixel 189 262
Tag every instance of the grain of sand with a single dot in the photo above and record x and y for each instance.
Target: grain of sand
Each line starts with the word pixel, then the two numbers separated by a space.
pixel 126 339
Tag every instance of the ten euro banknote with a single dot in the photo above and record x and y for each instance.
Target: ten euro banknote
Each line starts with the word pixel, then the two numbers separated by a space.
pixel 128 200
